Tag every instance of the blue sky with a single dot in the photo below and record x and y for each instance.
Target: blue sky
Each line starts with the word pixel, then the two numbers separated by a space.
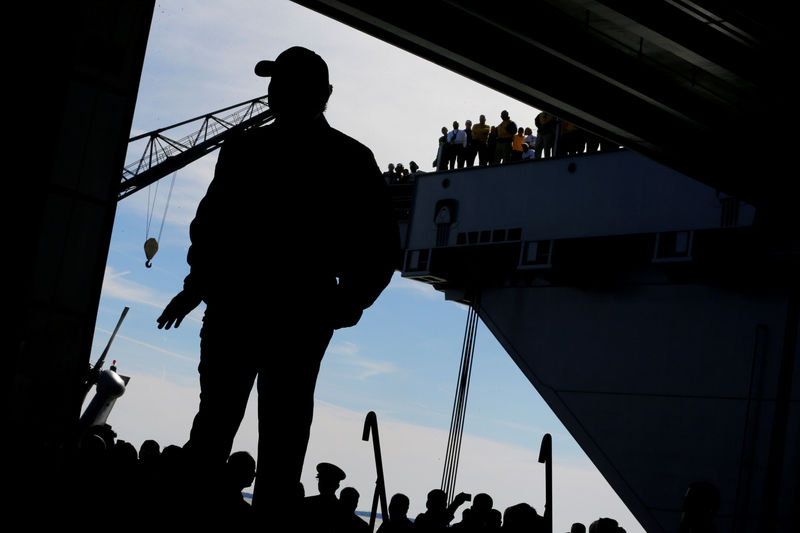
pixel 402 359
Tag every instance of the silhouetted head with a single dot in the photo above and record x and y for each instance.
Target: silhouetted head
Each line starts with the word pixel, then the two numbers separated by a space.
pixel 241 469
pixel 519 131
pixel 455 125
pixel 577 527
pixel 398 506
pixel 349 499
pixel 124 455
pixel 329 476
pixel 444 130
pixel 149 451
pixel 413 166
pixel 603 525
pixel 482 503
pixel 468 124
pixel 504 115
pixel 482 119
pixel 391 167
pixel 299 87
pixel 520 517
pixel 437 500
pixel 528 131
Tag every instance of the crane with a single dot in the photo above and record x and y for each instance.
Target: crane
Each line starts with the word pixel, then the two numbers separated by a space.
pixel 163 155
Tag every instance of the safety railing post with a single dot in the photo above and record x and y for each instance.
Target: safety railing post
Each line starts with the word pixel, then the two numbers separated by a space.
pixel 371 426
pixel 546 457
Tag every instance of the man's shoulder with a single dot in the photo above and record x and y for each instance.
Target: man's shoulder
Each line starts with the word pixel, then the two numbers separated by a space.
pixel 347 142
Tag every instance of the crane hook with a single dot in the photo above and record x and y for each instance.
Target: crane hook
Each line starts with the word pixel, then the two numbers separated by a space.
pixel 150 249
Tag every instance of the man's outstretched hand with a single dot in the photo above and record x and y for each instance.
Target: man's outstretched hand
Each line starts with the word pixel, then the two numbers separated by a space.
pixel 180 306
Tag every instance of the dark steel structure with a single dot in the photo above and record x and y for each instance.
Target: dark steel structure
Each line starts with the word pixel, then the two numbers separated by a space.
pixel 699 86
pixel 695 85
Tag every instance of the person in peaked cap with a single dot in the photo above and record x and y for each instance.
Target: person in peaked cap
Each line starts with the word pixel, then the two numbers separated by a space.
pixel 250 252
pixel 322 511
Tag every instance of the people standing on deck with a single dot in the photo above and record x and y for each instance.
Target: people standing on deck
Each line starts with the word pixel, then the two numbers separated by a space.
pixel 399 174
pixel 480 140
pixel 516 145
pixel 236 278
pixel 471 150
pixel 527 152
pixel 530 140
pixel 569 139
pixel 505 132
pixel 545 135
pixel 440 162
pixel 491 145
pixel 389 174
pixel 457 140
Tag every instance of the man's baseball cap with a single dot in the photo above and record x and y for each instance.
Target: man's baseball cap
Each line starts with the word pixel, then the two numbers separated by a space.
pixel 295 63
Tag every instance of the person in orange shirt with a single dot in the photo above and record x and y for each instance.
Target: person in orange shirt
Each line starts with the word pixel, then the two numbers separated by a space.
pixel 516 145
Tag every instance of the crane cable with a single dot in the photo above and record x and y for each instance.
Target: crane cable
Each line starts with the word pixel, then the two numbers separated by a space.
pixel 460 403
pixel 151 243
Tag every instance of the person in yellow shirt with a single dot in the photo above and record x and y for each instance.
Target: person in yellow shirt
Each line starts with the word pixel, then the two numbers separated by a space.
pixel 505 133
pixel 480 139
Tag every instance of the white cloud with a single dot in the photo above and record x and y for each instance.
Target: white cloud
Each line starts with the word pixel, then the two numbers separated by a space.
pixel 153 347
pixel 115 285
pixel 349 354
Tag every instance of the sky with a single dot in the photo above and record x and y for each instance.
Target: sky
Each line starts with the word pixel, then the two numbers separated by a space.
pixel 401 361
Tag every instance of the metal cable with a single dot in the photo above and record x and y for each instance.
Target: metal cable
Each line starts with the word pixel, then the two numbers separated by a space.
pixel 455 435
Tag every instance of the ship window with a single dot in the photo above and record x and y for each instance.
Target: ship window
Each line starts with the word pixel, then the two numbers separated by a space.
pixel 417 260
pixel 536 253
pixel 673 245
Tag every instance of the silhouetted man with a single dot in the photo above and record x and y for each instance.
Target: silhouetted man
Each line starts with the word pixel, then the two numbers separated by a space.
pixel 505 134
pixel 457 143
pixel 438 514
pixel 239 474
pixel 282 254
pixel 322 512
pixel 397 521
pixel 480 140
pixel 481 516
pixel 350 521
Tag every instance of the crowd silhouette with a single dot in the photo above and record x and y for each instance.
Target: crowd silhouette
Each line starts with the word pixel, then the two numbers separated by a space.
pixel 508 143
pixel 484 145
pixel 151 483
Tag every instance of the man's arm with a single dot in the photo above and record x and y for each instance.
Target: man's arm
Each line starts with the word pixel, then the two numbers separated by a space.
pixel 192 294
pixel 180 306
pixel 373 244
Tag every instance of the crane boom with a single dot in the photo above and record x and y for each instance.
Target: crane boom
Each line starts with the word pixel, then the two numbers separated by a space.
pixel 163 155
